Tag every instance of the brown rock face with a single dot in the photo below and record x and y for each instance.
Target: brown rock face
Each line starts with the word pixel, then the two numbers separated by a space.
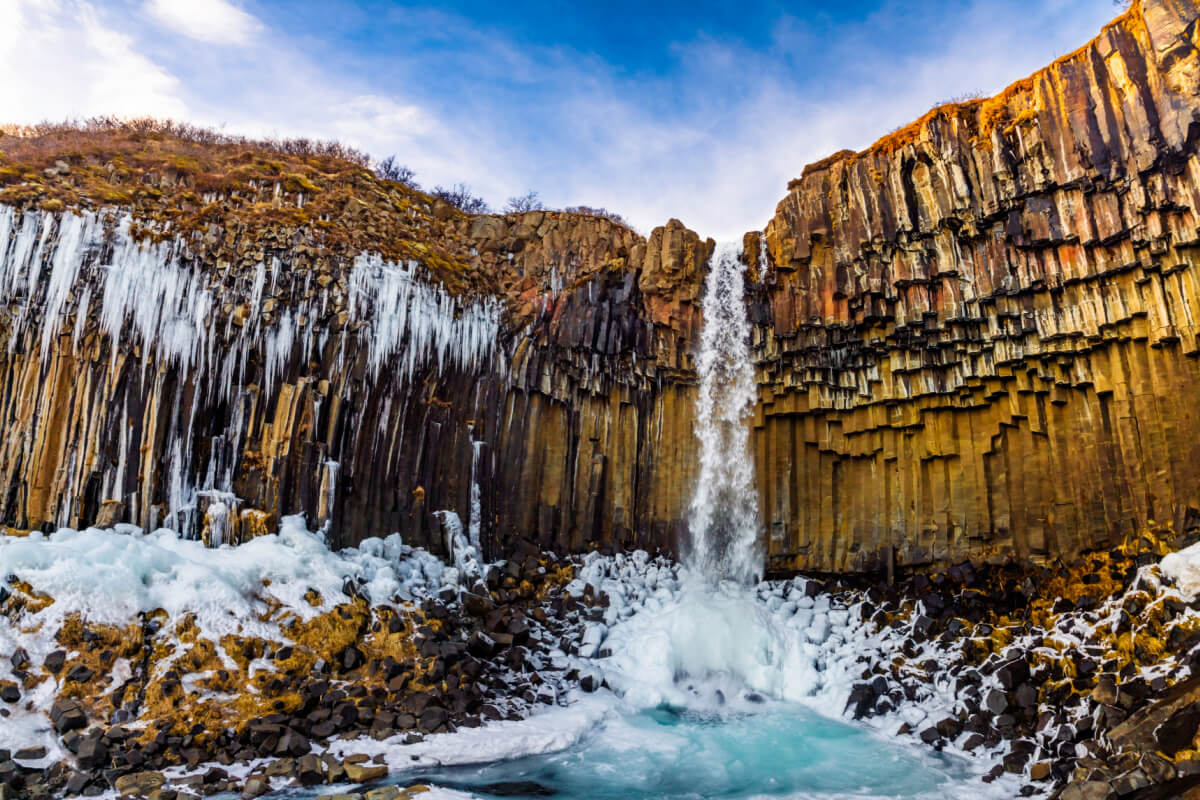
pixel 224 397
pixel 979 336
pixel 975 339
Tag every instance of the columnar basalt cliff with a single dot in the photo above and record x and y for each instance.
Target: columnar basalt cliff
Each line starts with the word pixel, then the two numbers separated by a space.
pixel 975 339
pixel 980 335
pixel 210 349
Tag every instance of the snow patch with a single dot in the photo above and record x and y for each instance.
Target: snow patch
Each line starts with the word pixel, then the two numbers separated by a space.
pixel 1183 568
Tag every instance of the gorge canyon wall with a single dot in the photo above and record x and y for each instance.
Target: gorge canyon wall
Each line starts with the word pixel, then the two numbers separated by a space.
pixel 975 339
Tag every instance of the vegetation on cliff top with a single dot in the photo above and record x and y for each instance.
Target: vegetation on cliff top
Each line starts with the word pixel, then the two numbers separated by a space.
pixel 180 180
pixel 239 195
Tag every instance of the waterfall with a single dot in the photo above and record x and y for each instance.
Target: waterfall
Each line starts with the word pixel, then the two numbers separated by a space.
pixel 724 510
pixel 476 524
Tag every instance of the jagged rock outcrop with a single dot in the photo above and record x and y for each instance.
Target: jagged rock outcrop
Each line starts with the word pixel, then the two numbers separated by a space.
pixel 975 339
pixel 979 338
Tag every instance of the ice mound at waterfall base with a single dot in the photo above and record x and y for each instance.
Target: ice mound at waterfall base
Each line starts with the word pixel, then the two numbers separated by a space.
pixel 671 638
pixel 729 692
pixel 706 649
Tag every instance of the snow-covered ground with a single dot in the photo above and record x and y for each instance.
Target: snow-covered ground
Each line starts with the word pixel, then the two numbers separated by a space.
pixel 110 577
pixel 665 639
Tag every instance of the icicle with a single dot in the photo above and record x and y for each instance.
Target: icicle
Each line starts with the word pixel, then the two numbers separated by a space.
pixel 256 289
pixel 463 555
pixel 764 262
pixel 330 495
pixel 81 315
pixel 278 349
pixel 216 519
pixel 476 511
pixel 73 235
pixel 419 323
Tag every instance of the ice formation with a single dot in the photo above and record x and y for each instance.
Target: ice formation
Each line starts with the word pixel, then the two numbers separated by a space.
pixel 155 296
pixel 1183 568
pixel 764 260
pixel 416 321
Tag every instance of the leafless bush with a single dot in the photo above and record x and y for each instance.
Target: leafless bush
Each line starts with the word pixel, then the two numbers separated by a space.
pixel 611 216
pixel 965 97
pixel 526 202
pixel 154 127
pixel 390 170
pixel 460 196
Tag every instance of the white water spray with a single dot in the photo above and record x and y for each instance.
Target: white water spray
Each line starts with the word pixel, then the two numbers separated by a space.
pixel 724 512
pixel 475 526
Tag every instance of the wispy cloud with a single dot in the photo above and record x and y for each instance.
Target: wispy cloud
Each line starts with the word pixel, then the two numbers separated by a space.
pixel 61 60
pixel 210 21
pixel 712 139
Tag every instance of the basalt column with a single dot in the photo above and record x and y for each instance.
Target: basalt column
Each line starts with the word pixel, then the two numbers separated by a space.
pixel 979 337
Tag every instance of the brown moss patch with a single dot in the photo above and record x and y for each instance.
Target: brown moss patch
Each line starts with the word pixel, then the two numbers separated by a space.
pixel 190 689
pixel 98 648
pixel 24 598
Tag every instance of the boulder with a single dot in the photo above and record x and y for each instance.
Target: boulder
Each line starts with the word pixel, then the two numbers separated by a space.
pixel 365 772
pixel 139 784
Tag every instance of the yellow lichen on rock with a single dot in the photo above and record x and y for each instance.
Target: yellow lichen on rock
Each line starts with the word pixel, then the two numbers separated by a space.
pixel 24 598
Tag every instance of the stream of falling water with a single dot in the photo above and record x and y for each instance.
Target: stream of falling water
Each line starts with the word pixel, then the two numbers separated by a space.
pixel 724 511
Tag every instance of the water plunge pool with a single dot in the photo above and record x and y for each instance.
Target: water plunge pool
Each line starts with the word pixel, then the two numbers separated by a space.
pixel 783 751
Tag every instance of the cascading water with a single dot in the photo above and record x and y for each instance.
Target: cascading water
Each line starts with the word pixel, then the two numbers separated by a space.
pixel 724 511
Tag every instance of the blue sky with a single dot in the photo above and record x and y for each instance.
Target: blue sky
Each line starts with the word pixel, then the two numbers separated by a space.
pixel 700 111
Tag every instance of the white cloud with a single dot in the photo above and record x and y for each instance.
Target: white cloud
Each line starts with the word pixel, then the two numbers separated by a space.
pixel 61 61
pixel 211 21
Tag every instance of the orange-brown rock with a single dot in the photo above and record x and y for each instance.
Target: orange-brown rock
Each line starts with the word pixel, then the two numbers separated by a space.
pixel 979 335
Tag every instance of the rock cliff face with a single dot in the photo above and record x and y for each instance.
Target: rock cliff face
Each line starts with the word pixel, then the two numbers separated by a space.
pixel 980 336
pixel 975 339
pixel 213 361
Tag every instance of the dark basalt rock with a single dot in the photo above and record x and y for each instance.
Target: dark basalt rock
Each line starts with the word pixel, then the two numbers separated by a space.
pixel 310 770
pixel 54 661
pixel 949 728
pixel 20 657
pixel 1013 673
pixel 29 753
pixel 996 701
pixel 67 715
pixel 1177 733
